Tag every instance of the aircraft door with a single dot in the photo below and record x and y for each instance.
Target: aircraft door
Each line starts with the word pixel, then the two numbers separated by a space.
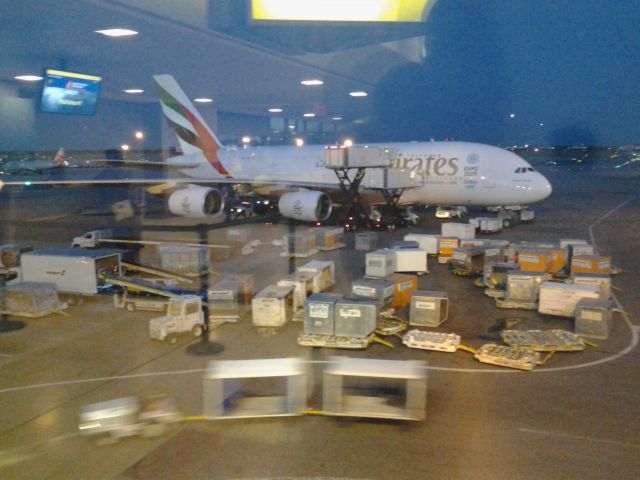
pixel 489 179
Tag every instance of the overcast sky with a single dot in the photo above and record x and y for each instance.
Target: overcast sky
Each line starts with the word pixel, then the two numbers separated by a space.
pixel 571 65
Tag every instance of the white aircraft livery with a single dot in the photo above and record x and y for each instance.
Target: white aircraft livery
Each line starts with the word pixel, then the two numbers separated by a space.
pixel 441 173
pixel 448 173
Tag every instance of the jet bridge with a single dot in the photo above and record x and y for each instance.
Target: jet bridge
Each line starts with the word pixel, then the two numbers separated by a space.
pixel 371 168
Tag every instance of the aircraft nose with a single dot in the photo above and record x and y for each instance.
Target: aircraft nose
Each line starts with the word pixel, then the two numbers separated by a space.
pixel 543 187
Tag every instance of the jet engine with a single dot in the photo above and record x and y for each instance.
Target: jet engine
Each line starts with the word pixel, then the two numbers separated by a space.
pixel 196 202
pixel 306 205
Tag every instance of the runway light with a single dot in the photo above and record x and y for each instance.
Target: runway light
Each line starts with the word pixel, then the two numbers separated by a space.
pixel 28 78
pixel 246 140
pixel 124 148
pixel 347 143
pixel 116 32
pixel 299 142
pixel 203 100
pixel 133 91
pixel 358 93
pixel 139 135
pixel 542 124
pixel 312 82
pixel 512 115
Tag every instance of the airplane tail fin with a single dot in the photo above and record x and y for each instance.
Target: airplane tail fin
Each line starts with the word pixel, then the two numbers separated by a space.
pixel 59 160
pixel 192 131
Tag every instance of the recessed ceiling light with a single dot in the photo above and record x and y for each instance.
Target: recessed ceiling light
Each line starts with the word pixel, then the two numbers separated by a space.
pixel 28 78
pixel 203 100
pixel 358 94
pixel 309 115
pixel 133 90
pixel 117 32
pixel 312 82
pixel 275 110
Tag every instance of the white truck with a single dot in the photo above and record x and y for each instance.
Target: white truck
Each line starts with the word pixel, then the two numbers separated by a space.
pixel 107 422
pixel 76 272
pixel 184 315
pixel 93 238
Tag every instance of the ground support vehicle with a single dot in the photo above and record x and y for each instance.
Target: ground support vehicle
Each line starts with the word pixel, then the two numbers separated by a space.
pixel 184 315
pixel 148 416
pixel 76 272
pixel 140 302
pixel 446 211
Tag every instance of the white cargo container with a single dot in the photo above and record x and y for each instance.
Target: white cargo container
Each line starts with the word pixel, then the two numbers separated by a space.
pixel 490 225
pixel 428 243
pixel 593 318
pixel 72 270
pixel 387 178
pixel 326 274
pixel 462 231
pixel 302 283
pixel 410 260
pixel 600 280
pixel 357 156
pixel 561 298
pixel 184 259
pixel 380 263
pixel 273 306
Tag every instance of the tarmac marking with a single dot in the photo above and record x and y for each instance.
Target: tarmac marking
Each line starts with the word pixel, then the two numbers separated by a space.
pixel 581 437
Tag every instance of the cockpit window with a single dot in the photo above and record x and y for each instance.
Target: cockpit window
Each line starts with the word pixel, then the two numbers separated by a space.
pixel 524 169
pixel 529 169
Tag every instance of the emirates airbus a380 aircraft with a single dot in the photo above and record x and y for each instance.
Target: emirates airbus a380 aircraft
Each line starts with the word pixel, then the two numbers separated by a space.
pixel 449 173
pixel 446 173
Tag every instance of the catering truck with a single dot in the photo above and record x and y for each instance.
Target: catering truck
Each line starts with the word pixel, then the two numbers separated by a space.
pixel 76 272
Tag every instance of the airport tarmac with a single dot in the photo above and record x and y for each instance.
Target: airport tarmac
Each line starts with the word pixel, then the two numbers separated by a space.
pixel 577 416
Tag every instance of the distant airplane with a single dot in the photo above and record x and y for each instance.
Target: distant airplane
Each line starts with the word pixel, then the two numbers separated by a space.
pixel 449 173
pixel 22 167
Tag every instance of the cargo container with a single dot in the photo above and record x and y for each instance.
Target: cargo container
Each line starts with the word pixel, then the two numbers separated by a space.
pixel 593 318
pixel 468 260
pixel 377 289
pixel 428 243
pixel 366 240
pixel 319 313
pixel 561 298
pixel 380 263
pixel 428 308
pixel 355 317
pixel 326 274
pixel 273 306
pixel 458 230
pixel 404 284
pixel 590 264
